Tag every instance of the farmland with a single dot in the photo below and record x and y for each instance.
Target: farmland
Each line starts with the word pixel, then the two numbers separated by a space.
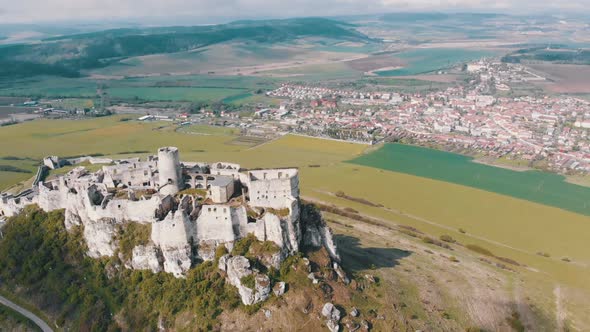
pixel 166 88
pixel 6 111
pixel 517 230
pixel 544 188
pixel 564 78
pixel 225 59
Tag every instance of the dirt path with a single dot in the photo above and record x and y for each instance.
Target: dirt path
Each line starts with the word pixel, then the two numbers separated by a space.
pixel 559 312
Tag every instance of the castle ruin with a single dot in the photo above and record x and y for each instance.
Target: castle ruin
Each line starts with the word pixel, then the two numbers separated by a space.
pixel 192 209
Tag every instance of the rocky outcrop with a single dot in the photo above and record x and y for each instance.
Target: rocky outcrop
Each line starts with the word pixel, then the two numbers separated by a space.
pixel 99 237
pixel 316 232
pixel 146 258
pixel 332 315
pixel 279 288
pixel 177 260
pixel 238 267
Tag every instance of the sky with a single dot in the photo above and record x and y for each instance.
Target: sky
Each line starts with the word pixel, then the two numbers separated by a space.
pixel 215 11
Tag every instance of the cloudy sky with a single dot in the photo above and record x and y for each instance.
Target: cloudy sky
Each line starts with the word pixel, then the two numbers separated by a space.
pixel 209 11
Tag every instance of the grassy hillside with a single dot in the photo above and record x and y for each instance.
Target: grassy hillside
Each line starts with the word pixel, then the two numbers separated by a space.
pixel 68 55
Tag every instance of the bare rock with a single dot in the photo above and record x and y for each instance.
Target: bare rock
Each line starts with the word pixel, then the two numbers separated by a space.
pixel 146 258
pixel 99 237
pixel 366 326
pixel 238 267
pixel 331 312
pixel 333 326
pixel 341 274
pixel 262 287
pixel 177 260
pixel 352 326
pixel 279 288
pixel 312 277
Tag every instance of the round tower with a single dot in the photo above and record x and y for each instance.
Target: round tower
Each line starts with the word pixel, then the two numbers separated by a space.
pixel 170 178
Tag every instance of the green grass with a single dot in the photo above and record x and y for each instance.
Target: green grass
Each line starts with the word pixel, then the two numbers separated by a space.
pixel 173 93
pixel 544 188
pixel 206 88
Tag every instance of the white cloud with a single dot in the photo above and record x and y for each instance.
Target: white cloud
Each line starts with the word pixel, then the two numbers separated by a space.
pixel 34 11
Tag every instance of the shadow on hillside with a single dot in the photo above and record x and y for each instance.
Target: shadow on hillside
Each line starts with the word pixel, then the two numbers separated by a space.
pixel 356 258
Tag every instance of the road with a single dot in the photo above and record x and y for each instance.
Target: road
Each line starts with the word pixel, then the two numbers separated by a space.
pixel 31 316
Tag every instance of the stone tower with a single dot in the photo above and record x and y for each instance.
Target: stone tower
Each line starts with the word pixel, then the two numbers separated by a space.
pixel 170 180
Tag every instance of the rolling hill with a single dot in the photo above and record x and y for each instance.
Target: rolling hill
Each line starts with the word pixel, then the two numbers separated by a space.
pixel 69 55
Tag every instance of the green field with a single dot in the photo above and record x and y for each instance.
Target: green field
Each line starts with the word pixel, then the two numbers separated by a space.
pixel 423 61
pixel 205 88
pixel 173 93
pixel 509 227
pixel 540 187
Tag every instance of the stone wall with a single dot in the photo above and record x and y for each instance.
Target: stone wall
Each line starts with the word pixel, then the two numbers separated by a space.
pixel 273 188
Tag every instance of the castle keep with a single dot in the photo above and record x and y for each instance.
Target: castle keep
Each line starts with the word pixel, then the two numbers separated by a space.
pixel 192 208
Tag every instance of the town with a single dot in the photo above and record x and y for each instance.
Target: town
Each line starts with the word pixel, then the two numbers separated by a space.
pixel 553 132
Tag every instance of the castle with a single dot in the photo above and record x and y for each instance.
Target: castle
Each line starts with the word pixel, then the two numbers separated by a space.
pixel 192 208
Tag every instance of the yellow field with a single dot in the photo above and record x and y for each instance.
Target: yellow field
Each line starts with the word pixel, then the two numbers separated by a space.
pixel 508 227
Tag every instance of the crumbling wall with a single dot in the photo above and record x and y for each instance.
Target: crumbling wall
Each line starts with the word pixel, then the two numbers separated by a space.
pixel 215 224
pixel 175 230
pixel 273 188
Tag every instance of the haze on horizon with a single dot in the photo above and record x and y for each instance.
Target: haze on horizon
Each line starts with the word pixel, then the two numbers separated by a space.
pixel 216 11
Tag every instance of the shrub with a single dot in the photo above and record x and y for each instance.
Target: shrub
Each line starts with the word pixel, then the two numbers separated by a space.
pixel 287 263
pixel 474 329
pixel 515 323
pixel 242 246
pixel 544 254
pixel 53 266
pixel 132 235
pixel 408 232
pixel 220 251
pixel 447 238
pixel 249 281
pixel 428 240
pixel 462 231
pixel 283 213
pixel 508 260
pixel 479 250
pixel 453 259
pixel 351 210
